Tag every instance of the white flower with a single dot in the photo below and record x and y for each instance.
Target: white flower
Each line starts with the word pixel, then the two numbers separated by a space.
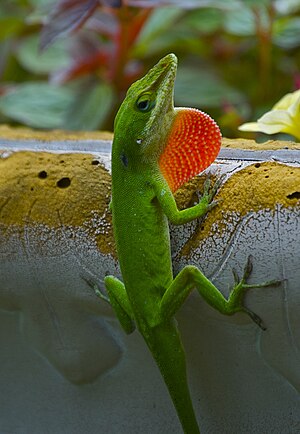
pixel 284 117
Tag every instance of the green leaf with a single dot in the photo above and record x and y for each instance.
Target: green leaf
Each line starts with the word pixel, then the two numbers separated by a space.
pixel 287 33
pixel 10 26
pixel 91 106
pixel 255 3
pixel 200 88
pixel 37 104
pixel 163 28
pixel 158 23
pixel 240 22
pixel 32 59
pixel 205 21
pixel 285 7
pixel 41 3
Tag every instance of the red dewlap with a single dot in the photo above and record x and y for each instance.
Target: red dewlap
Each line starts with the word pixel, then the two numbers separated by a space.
pixel 193 144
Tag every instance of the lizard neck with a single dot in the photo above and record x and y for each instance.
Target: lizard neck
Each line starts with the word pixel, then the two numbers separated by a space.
pixel 141 234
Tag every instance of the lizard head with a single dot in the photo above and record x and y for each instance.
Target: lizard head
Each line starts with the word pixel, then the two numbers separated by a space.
pixel 181 142
pixel 146 114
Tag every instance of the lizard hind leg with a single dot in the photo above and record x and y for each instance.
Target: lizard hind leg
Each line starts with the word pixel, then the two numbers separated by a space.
pixel 191 277
pixel 120 303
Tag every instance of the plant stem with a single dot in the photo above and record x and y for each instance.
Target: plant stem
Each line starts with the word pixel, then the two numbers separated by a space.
pixel 264 35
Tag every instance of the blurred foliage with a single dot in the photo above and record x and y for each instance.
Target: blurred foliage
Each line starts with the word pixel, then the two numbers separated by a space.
pixel 67 63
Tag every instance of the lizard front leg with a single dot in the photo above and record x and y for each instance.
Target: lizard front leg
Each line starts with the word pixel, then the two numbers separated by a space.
pixel 178 217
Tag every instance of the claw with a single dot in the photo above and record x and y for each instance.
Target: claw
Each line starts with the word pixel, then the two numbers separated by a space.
pixel 264 284
pixel 275 282
pixel 257 319
pixel 212 204
pixel 235 276
pixel 96 289
pixel 206 186
pixel 210 192
pixel 248 268
pixel 217 185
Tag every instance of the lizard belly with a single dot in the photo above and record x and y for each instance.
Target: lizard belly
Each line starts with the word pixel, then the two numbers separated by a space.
pixel 143 245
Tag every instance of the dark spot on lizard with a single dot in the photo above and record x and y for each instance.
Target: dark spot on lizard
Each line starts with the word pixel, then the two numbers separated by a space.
pixel 124 159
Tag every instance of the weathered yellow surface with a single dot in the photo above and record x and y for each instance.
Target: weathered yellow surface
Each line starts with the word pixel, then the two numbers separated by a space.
pixel 252 145
pixel 55 190
pixel 66 328
pixel 23 133
pixel 259 186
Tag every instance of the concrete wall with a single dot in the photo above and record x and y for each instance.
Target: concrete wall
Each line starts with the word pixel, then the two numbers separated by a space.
pixel 67 367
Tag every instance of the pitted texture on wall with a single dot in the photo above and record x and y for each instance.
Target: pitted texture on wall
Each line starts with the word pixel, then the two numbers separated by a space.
pixel 56 242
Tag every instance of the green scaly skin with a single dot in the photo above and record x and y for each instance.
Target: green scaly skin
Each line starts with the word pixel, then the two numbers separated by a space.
pixel 142 204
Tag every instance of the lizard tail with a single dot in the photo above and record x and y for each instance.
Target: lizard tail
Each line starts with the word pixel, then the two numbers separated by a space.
pixel 163 341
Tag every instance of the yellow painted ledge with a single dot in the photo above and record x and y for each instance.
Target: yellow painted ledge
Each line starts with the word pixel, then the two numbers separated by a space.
pixel 252 145
pixel 23 133
pixel 73 189
pixel 54 190
pixel 62 344
pixel 258 187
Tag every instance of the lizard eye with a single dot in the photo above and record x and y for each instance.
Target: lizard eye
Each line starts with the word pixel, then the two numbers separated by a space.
pixel 145 103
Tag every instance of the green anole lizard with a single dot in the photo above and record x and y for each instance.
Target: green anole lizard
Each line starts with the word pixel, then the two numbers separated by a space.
pixel 157 148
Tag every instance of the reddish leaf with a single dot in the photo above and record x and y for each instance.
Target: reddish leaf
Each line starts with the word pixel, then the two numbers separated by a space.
pixel 137 25
pixel 88 54
pixel 112 3
pixel 82 66
pixel 67 16
pixel 133 71
pixel 131 22
pixel 187 4
pixel 104 23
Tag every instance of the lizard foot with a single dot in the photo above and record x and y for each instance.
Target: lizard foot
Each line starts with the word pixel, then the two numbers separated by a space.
pixel 241 286
pixel 209 192
pixel 92 284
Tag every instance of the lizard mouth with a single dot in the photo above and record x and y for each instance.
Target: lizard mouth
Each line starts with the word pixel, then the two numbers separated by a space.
pixel 164 73
pixel 162 78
